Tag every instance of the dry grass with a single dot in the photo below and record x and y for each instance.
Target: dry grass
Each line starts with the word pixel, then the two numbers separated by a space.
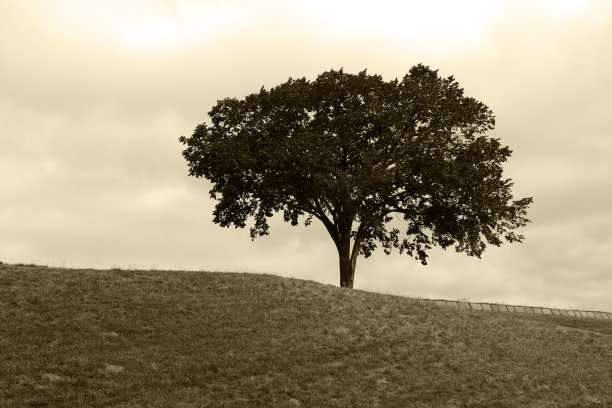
pixel 89 338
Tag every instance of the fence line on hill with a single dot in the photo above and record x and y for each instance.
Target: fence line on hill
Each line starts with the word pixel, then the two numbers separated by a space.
pixel 496 307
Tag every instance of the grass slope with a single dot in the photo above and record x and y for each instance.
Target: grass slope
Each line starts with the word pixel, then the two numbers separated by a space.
pixel 90 338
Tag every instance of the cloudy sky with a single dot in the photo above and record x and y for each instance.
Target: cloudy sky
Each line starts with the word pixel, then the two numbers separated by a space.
pixel 94 95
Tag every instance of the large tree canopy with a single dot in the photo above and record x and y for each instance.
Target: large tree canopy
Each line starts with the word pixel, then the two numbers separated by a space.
pixel 356 152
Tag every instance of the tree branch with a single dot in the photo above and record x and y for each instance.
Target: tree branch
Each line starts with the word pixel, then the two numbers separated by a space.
pixel 331 228
pixel 325 206
pixel 358 237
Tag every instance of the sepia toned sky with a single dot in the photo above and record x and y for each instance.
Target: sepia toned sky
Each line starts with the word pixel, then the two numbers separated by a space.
pixel 94 95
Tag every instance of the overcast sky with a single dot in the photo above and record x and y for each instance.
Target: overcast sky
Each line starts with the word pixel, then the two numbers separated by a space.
pixel 94 95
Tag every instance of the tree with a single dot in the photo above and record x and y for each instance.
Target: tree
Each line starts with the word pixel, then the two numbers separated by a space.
pixel 356 152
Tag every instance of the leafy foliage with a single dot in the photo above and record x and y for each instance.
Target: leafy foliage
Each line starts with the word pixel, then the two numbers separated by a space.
pixel 357 152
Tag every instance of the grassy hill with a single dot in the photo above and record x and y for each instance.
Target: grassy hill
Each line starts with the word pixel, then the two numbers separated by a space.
pixel 115 338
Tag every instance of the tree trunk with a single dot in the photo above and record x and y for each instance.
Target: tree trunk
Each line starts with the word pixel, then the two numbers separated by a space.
pixel 347 269
pixel 347 255
pixel 348 260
